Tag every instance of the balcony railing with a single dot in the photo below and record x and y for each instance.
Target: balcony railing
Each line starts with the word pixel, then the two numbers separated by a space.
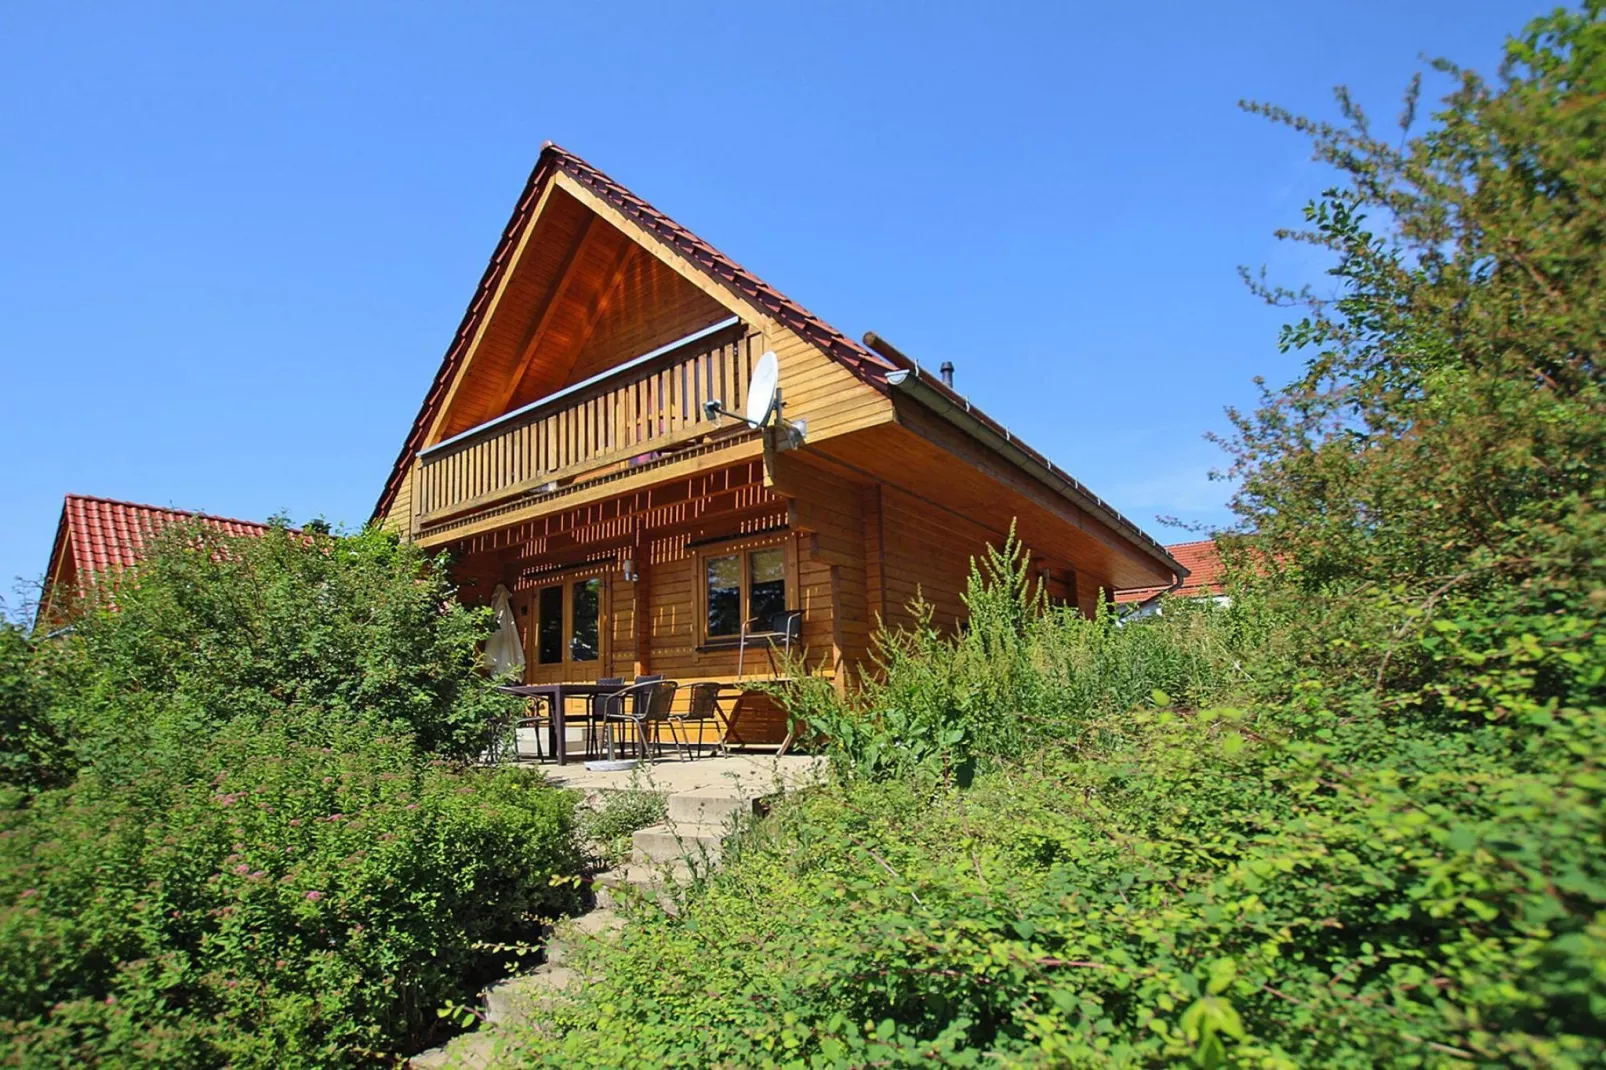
pixel 638 409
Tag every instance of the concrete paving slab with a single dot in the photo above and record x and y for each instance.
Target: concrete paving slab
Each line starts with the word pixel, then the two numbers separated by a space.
pixel 731 776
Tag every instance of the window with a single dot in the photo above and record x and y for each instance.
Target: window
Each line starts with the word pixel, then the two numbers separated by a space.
pixel 722 577
pixel 568 625
pixel 549 626
pixel 766 585
pixel 741 586
pixel 585 608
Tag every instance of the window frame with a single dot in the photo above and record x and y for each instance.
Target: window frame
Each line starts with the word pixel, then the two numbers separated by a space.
pixel 566 582
pixel 742 549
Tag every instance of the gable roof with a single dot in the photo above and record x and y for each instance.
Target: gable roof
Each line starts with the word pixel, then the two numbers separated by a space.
pixel 882 366
pixel 1205 577
pixel 100 535
pixel 708 260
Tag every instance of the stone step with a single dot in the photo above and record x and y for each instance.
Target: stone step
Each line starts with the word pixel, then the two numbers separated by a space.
pixel 567 935
pixel 517 998
pixel 709 807
pixel 671 841
pixel 470 1051
pixel 643 879
pixel 596 923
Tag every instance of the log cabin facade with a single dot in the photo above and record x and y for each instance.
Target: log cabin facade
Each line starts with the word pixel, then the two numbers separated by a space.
pixel 564 451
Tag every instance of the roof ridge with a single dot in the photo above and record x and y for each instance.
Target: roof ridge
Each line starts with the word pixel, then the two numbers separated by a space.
pixel 173 510
pixel 738 273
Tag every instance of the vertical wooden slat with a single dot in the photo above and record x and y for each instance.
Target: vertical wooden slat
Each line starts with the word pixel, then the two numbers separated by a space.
pixel 635 416
pixel 662 408
pixel 648 411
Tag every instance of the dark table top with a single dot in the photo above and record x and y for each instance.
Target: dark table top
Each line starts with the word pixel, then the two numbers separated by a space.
pixel 566 688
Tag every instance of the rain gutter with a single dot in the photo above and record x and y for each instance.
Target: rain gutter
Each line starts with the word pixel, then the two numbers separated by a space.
pixel 912 383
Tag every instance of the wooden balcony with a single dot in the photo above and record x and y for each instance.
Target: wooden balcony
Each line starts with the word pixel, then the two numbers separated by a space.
pixel 631 413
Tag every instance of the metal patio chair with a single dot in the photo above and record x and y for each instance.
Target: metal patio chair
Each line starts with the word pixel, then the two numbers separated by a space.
pixel 702 707
pixel 595 708
pixel 642 706
pixel 780 629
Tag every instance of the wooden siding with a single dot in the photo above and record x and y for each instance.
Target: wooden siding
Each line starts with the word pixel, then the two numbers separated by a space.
pixel 545 264
pixel 827 511
pixel 399 519
pixel 649 306
pixel 928 554
pixel 925 457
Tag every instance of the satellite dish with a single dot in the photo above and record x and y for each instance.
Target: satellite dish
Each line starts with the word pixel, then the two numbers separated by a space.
pixel 763 389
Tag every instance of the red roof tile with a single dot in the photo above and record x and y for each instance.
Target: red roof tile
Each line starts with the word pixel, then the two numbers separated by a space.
pixel 1202 560
pixel 106 534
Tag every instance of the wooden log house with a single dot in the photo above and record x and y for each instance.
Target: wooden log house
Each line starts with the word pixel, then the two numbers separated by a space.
pixel 564 450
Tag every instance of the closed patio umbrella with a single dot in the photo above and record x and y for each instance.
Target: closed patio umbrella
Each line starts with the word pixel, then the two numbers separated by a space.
pixel 504 650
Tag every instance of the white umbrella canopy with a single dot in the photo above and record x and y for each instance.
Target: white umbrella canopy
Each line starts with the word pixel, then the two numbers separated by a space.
pixel 504 650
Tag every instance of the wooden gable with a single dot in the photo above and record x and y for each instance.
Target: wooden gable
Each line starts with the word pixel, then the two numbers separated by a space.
pixel 579 298
pixel 588 277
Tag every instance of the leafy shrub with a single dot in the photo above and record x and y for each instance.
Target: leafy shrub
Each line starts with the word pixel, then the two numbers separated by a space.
pixel 1021 676
pixel 1445 440
pixel 311 900
pixel 33 751
pixel 271 852
pixel 213 629
pixel 1300 884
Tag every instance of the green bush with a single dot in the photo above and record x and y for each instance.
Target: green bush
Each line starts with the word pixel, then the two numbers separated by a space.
pixel 33 750
pixel 1302 884
pixel 214 630
pixel 271 853
pixel 304 901
pixel 607 827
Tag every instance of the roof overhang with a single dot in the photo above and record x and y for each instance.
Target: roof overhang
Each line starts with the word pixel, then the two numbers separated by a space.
pixel 911 382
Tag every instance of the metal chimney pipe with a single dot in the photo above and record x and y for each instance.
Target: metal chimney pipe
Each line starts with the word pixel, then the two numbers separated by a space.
pixel 947 372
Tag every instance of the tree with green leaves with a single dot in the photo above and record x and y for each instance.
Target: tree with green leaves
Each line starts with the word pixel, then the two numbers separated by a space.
pixel 1447 437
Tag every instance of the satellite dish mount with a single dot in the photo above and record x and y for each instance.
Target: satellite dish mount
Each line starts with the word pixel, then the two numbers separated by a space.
pixel 763 409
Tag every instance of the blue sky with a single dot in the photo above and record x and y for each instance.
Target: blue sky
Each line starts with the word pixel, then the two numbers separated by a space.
pixel 238 237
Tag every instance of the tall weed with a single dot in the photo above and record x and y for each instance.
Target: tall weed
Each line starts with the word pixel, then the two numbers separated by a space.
pixel 1021 677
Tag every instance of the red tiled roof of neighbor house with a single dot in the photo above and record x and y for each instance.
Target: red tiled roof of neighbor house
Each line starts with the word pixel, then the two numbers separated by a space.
pixel 97 536
pixel 106 534
pixel 1203 562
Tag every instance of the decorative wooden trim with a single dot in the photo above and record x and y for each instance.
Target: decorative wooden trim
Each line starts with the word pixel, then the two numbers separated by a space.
pixel 777 529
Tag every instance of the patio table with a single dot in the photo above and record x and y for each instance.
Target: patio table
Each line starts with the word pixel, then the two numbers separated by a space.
pixel 743 689
pixel 558 695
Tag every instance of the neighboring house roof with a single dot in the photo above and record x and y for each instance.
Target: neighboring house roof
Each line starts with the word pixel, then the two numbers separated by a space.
pixel 1205 574
pixel 100 535
pixel 873 367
